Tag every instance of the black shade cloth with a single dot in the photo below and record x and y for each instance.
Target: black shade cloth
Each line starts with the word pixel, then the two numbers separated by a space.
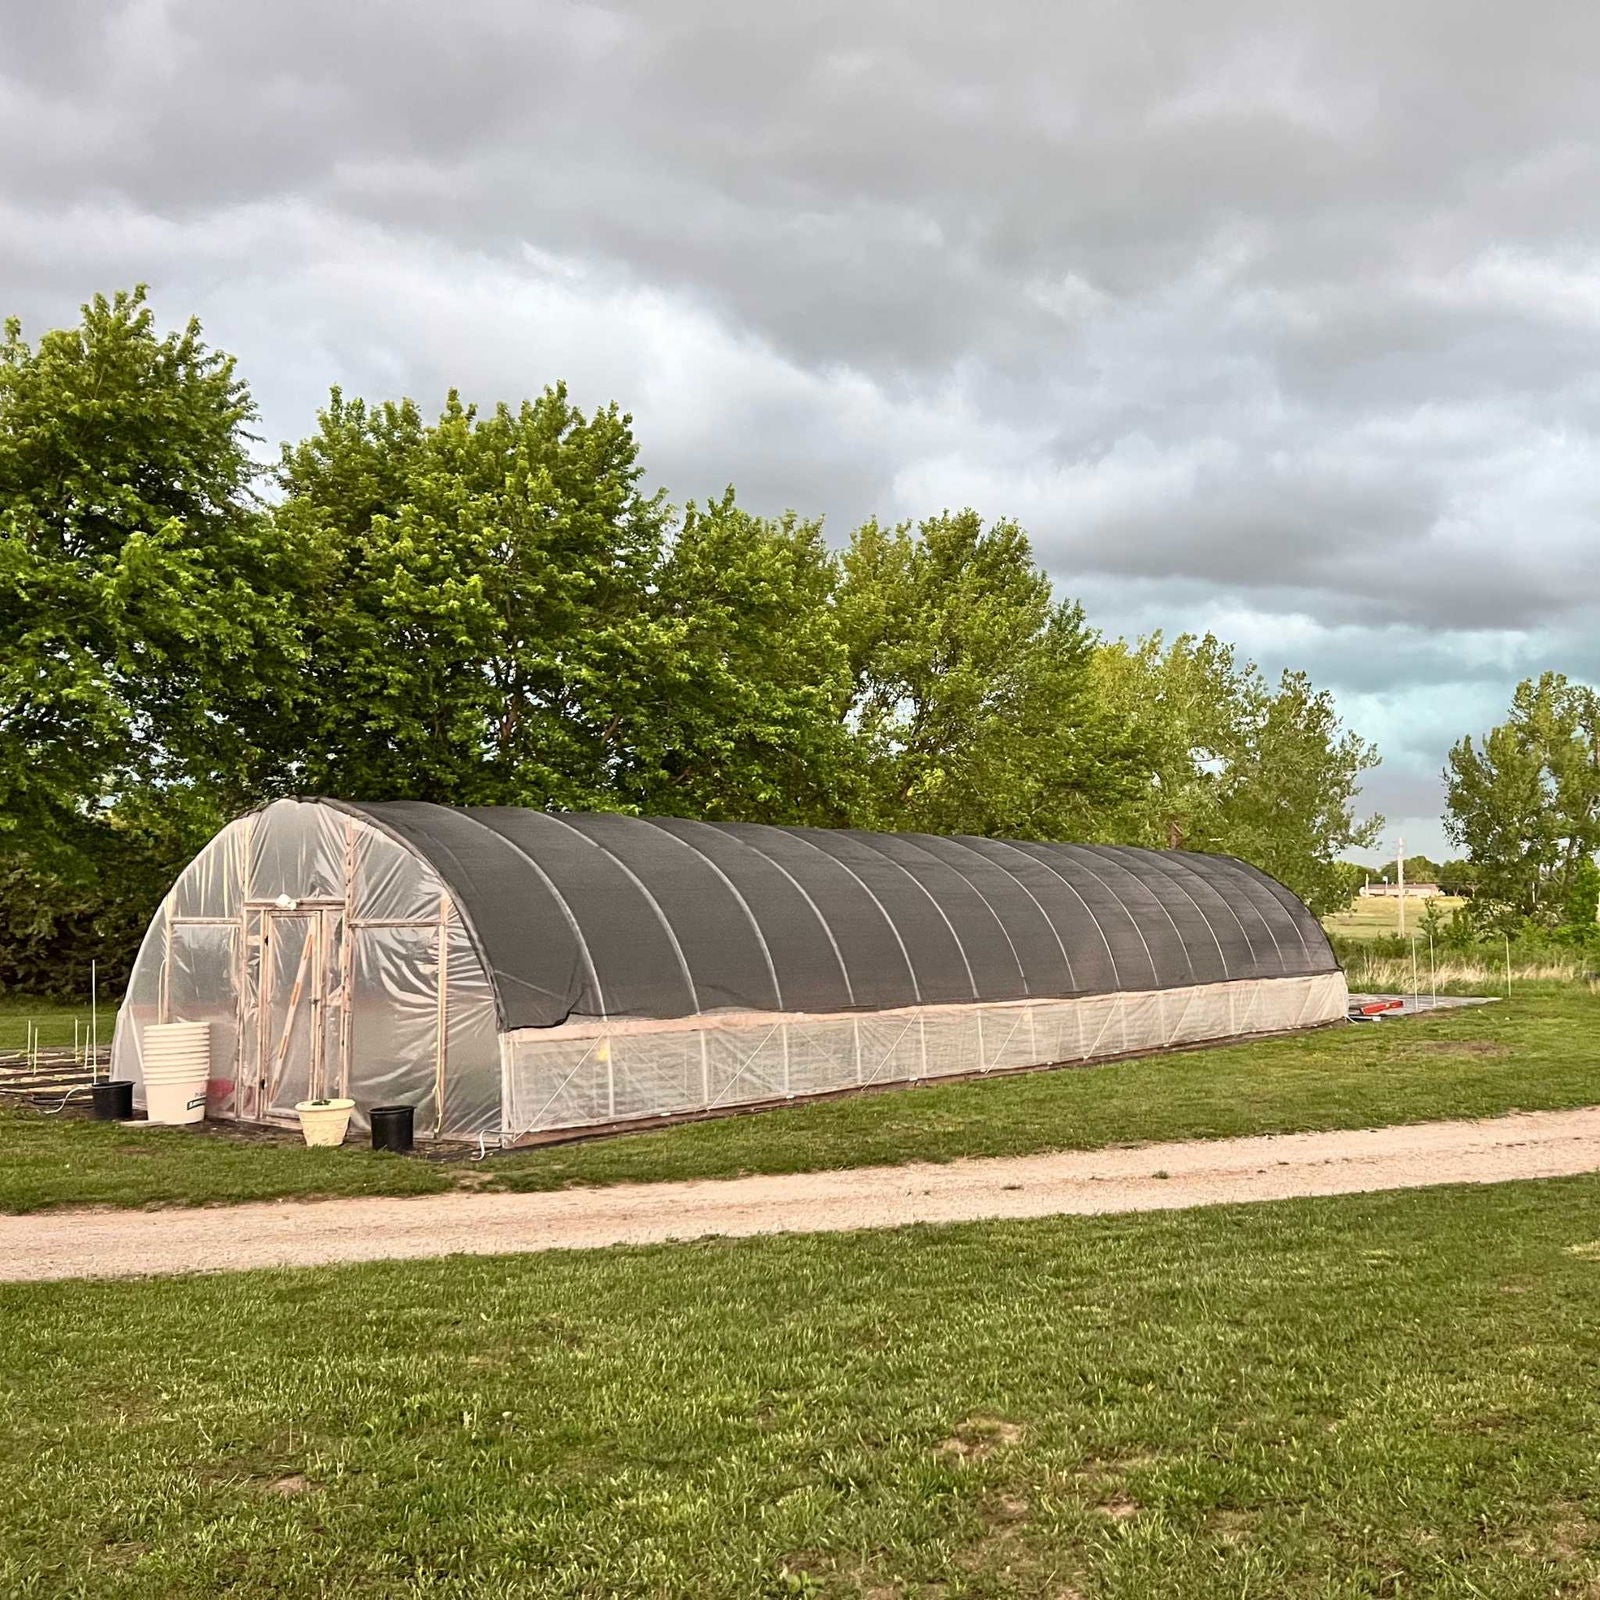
pixel 611 916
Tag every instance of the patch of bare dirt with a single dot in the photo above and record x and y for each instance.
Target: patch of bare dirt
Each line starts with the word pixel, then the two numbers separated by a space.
pixel 1572 1536
pixel 124 1552
pixel 290 1485
pixel 977 1438
pixel 1233 1525
pixel 1119 1508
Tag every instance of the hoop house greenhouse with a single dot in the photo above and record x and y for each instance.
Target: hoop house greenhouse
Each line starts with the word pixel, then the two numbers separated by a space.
pixel 515 974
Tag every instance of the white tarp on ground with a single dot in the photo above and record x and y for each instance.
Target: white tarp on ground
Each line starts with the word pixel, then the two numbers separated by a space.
pixel 592 1073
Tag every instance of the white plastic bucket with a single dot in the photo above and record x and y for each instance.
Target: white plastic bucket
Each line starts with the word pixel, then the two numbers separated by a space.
pixel 325 1121
pixel 177 1063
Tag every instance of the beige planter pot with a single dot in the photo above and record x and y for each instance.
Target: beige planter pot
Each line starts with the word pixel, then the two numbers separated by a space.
pixel 324 1121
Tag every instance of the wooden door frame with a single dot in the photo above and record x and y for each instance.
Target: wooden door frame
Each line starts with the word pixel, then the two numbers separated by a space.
pixel 269 1061
pixel 326 923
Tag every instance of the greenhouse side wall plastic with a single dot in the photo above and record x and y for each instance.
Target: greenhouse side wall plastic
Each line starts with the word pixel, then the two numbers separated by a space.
pixel 404 1010
pixel 140 1007
pixel 593 1073
pixel 187 969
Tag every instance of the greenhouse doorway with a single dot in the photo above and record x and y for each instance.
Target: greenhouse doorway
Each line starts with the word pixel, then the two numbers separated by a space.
pixel 294 1011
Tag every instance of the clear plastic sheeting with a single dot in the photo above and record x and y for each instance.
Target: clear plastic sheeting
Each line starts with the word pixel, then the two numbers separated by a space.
pixel 200 978
pixel 141 1005
pixel 330 960
pixel 581 1075
pixel 394 1019
pixel 472 1040
pixel 390 882
pixel 212 887
pixel 297 852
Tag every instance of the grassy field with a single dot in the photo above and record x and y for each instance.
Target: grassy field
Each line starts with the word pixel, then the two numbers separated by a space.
pixel 1384 1395
pixel 54 1020
pixel 1377 918
pixel 1533 1052
pixel 47 1161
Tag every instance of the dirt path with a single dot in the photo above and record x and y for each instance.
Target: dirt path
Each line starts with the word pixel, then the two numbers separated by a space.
pixel 82 1244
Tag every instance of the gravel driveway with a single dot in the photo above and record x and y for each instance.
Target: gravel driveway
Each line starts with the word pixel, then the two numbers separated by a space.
pixel 101 1243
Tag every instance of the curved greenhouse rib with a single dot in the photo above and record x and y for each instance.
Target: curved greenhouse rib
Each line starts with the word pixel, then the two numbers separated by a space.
pixel 988 905
pixel 654 904
pixel 1044 861
pixel 1160 873
pixel 1180 869
pixel 805 894
pixel 905 955
pixel 1294 909
pixel 733 889
pixel 1049 921
pixel 1050 854
pixel 1233 879
pixel 559 898
pixel 1100 853
pixel 1166 871
pixel 871 843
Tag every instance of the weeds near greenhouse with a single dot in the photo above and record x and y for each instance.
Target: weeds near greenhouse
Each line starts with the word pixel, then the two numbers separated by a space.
pixel 1478 975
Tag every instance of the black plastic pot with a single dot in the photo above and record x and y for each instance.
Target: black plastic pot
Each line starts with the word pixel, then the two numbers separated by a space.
pixel 112 1101
pixel 392 1127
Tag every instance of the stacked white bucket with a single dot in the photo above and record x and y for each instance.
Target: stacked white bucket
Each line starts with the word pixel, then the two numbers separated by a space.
pixel 177 1063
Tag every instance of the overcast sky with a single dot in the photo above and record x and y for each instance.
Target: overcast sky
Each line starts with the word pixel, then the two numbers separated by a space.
pixel 1274 319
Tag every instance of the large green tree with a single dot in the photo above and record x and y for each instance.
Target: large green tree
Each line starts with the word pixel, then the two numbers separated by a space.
pixel 745 717
pixel 489 607
pixel 475 599
pixel 1261 771
pixel 1524 800
pixel 973 697
pixel 148 634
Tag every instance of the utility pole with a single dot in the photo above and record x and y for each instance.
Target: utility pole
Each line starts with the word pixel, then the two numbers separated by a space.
pixel 1400 864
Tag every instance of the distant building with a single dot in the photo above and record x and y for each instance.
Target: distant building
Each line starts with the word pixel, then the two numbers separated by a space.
pixel 1414 891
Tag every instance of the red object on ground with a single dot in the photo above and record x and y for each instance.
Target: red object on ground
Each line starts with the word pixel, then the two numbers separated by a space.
pixel 1373 1007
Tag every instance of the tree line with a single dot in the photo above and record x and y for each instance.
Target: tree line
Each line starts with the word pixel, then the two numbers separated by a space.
pixel 1524 802
pixel 1456 877
pixel 488 607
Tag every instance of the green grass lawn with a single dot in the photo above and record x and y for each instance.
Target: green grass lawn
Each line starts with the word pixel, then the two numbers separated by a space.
pixel 45 1161
pixel 1537 1051
pixel 1376 917
pixel 1381 1395
pixel 54 1019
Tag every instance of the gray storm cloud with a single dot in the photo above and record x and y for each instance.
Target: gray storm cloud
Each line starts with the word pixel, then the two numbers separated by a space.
pixel 1279 320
